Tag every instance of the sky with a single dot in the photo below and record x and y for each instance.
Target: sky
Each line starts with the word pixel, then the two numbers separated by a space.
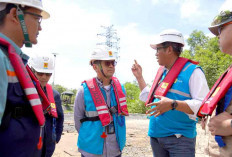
pixel 72 30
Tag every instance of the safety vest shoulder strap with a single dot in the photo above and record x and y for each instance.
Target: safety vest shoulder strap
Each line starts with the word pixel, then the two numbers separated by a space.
pixel 53 110
pixel 216 93
pixel 45 101
pixel 155 83
pixel 161 88
pixel 99 102
pixel 25 81
pixel 120 97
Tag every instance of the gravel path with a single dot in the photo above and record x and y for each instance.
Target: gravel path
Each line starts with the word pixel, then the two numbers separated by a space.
pixel 138 144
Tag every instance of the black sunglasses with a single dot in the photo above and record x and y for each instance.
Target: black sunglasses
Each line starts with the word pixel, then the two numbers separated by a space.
pixel 108 63
pixel 41 74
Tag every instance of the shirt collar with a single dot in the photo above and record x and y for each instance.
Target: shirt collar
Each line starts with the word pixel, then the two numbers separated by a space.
pixel 18 50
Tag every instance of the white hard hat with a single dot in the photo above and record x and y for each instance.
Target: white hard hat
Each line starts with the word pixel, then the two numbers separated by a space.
pixel 30 3
pixel 169 35
pixel 102 54
pixel 42 63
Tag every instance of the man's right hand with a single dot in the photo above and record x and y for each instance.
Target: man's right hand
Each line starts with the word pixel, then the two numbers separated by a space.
pixel 136 70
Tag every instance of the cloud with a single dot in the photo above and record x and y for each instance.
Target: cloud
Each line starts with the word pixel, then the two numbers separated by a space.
pixel 227 5
pixel 190 8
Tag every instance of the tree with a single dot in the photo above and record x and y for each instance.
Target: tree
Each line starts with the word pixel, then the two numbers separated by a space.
pixel 132 95
pixel 59 88
pixel 206 51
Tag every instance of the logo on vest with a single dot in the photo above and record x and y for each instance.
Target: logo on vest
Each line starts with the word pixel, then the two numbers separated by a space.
pixel 53 105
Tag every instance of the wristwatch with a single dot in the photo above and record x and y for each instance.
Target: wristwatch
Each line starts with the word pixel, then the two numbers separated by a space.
pixel 174 105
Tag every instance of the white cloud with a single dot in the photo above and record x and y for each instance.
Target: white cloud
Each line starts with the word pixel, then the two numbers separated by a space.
pixel 189 8
pixel 72 33
pixel 227 5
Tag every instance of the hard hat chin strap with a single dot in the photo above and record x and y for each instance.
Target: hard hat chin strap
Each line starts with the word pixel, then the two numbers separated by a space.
pixel 100 66
pixel 20 15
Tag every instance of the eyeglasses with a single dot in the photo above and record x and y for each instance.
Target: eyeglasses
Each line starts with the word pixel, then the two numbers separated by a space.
pixel 41 74
pixel 221 27
pixel 38 17
pixel 159 48
pixel 108 63
pixel 222 17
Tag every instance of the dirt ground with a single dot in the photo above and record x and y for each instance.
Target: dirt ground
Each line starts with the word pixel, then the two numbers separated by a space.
pixel 137 145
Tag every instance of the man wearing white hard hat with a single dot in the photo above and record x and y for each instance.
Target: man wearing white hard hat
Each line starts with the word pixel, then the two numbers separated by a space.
pixel 175 97
pixel 43 66
pixel 220 125
pixel 100 109
pixel 21 112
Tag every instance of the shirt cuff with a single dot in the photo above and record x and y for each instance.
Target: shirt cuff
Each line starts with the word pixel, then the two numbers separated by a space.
pixel 144 94
pixel 194 106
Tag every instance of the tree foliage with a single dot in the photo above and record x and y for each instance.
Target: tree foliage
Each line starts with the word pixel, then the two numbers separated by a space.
pixel 59 88
pixel 206 51
pixel 132 97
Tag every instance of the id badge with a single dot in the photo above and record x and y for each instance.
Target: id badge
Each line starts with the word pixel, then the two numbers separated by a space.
pixel 110 128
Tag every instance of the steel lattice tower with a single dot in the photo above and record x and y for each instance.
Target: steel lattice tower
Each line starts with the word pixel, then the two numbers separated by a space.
pixel 111 39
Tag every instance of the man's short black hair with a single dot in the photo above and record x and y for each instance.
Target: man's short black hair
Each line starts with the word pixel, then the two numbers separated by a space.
pixel 6 11
pixel 177 47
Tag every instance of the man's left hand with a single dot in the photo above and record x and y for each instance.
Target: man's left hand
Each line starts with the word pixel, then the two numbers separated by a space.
pixel 162 106
pixel 221 124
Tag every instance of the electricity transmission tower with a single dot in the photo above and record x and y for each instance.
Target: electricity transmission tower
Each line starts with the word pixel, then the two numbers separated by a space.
pixel 111 39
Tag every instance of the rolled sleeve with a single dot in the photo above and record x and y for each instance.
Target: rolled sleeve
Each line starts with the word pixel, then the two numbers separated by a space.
pixel 79 108
pixel 198 89
pixel 144 94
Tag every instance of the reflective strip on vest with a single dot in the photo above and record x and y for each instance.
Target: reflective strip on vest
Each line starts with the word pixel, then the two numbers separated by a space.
pixel 122 99
pixel 35 102
pixel 122 104
pixel 187 67
pixel 13 79
pixel 29 91
pixel 91 113
pixel 179 92
pixel 103 112
pixel 101 107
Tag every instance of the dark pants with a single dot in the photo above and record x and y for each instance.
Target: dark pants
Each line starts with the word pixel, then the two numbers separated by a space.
pixel 20 138
pixel 172 146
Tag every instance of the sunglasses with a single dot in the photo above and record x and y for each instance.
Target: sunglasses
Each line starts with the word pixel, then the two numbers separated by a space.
pixel 108 63
pixel 221 27
pixel 222 17
pixel 41 74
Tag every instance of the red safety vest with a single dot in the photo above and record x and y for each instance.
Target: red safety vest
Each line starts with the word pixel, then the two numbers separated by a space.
pixel 46 104
pixel 99 101
pixel 25 81
pixel 52 110
pixel 216 93
pixel 161 88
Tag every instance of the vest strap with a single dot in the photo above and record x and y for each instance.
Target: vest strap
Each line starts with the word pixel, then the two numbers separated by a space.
pixel 52 107
pixel 25 81
pixel 99 102
pixel 90 119
pixel 162 88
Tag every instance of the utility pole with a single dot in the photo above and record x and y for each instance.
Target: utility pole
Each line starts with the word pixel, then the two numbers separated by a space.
pixel 111 39
pixel 54 54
